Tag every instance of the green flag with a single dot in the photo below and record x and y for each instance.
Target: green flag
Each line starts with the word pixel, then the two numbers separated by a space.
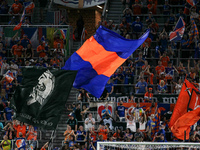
pixel 40 99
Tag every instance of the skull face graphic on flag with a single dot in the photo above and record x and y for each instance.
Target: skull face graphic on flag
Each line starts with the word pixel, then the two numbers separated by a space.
pixel 43 89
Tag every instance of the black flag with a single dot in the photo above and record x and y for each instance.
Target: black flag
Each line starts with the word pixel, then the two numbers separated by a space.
pixel 40 99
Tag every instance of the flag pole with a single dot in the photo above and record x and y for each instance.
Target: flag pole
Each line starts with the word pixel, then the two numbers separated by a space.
pixel 184 135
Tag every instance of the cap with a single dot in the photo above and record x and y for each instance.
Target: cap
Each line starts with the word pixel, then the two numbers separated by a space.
pixel 137 17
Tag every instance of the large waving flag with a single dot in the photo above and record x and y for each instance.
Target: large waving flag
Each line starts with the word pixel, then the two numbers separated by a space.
pixel 192 2
pixel 29 5
pixel 18 26
pixel 178 31
pixel 99 57
pixel 182 119
pixel 194 32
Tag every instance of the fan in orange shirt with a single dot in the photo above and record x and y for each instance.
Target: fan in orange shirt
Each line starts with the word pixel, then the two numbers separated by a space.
pixel 137 7
pixel 21 128
pixel 148 41
pixel 148 96
pixel 68 133
pixel 164 59
pixel 151 7
pixel 145 69
pixel 17 49
pixel 41 50
pixel 16 8
pixel 103 131
pixel 159 69
pixel 57 40
pixel 32 134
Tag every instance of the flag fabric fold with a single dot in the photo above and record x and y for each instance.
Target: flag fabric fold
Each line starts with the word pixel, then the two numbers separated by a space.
pixel 186 111
pixel 40 99
pixel 178 31
pixel 193 33
pixel 99 57
pixel 192 2
pixel 18 26
pixel 184 123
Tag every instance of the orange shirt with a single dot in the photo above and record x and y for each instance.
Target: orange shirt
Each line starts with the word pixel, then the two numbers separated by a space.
pixel 55 43
pixel 32 135
pixel 21 129
pixel 43 148
pixel 16 8
pixel 148 40
pixel 164 60
pixel 159 69
pixel 143 68
pixel 148 95
pixel 67 136
pixel 136 9
pixel 104 133
pixel 192 75
pixel 94 136
pixel 39 48
pixel 17 50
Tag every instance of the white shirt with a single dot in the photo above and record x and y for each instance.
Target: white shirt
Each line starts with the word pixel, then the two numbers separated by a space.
pixel 131 125
pixel 89 124
pixel 105 121
pixel 142 126
pixel 4 68
pixel 178 86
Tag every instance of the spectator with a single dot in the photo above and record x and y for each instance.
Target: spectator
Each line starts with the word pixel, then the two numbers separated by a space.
pixel 5 66
pixel 8 113
pixel 31 134
pixel 84 111
pixel 148 75
pixel 157 52
pixel 152 34
pixel 191 71
pixel 143 122
pixel 57 40
pixel 109 87
pixel 163 40
pixel 128 136
pixel 83 95
pixel 139 61
pixel 118 78
pixel 148 96
pixel 162 138
pixel 106 111
pixel 124 26
pixel 103 131
pixel 17 50
pixel 118 135
pixel 141 86
pixel 149 19
pixel 178 86
pixel 9 131
pixel 137 7
pixel 166 8
pixel 41 63
pixel 137 28
pixel 171 19
pixel 154 25
pixel 72 122
pixel 93 133
pixel 151 7
pixel 130 122
pixel 164 59
pixel 41 50
pixel 89 122
pixel 2 50
pixel 14 68
pixel 6 144
pixel 59 52
pixel 138 136
pixel 78 114
pixel 4 7
pixel 150 127
pixel 21 130
pixel 107 120
pixel 181 14
pixel 197 49
pixel 29 53
pixel 137 113
pixel 128 79
pixel 184 42
pixel 160 133
pixel 194 14
pixel 16 8
pixel 68 133
pixel 162 88
pixel 120 111
pixel 146 50
pixel 170 72
pixel 80 136
pixel 25 41
pixel 148 41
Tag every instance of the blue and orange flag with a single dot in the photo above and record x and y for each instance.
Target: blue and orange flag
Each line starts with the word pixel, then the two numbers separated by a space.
pixel 178 31
pixel 18 26
pixel 192 2
pixel 194 32
pixel 99 57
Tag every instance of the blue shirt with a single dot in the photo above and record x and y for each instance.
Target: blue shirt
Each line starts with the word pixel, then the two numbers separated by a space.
pixel 142 86
pixel 103 111
pixel 167 7
pixel 25 42
pixel 169 70
pixel 150 124
pixel 80 136
pixel 161 131
pixel 164 88
pixel 8 112
pixel 137 26
pixel 121 111
pixel 128 78
pixel 140 63
pixel 109 87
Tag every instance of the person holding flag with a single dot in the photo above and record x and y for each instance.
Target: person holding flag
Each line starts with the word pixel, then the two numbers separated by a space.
pixel 20 142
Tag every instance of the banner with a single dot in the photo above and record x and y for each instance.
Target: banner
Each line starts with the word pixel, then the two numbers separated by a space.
pixel 40 99
pixel 79 3
pixel 161 98
pixel 100 107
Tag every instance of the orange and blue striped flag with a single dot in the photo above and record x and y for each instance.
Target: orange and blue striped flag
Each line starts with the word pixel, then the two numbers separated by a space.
pixel 99 57
pixel 194 32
